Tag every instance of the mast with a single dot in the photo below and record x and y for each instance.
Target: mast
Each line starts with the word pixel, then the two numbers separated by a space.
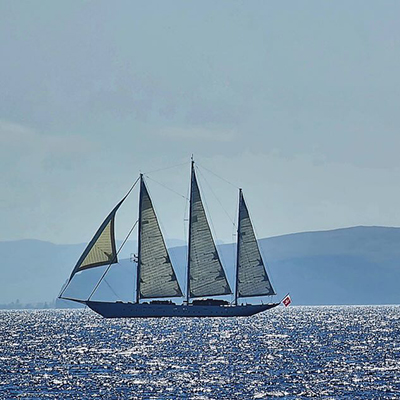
pixel 190 227
pixel 139 240
pixel 238 249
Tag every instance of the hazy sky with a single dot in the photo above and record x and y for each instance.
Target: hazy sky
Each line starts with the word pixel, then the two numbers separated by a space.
pixel 297 102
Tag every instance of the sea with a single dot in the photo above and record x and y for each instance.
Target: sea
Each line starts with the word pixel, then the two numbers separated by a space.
pixel 325 352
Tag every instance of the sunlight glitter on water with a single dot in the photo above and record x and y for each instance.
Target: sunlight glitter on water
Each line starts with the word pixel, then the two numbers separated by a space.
pixel 300 352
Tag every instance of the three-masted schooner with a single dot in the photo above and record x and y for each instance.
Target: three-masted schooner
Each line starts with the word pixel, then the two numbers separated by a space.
pixel 156 277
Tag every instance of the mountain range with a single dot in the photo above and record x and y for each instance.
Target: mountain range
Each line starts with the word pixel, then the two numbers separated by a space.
pixel 358 265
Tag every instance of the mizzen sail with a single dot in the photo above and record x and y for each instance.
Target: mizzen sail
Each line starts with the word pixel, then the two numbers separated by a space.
pixel 252 278
pixel 156 274
pixel 206 274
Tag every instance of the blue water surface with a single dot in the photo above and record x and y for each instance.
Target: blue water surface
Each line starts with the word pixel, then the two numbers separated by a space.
pixel 294 353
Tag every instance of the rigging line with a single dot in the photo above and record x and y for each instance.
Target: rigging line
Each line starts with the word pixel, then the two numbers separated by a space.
pixel 115 294
pixel 212 191
pixel 220 177
pixel 130 190
pixel 163 169
pixel 166 187
pixel 63 289
pixel 108 268
pixel 127 237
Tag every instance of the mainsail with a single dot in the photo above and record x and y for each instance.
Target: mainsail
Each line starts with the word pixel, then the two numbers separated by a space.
pixel 252 278
pixel 206 274
pixel 101 249
pixel 156 274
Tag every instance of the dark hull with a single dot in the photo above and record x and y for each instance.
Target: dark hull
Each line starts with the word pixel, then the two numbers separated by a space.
pixel 134 310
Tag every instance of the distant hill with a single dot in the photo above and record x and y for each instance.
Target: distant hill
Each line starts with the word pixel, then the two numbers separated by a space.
pixel 359 265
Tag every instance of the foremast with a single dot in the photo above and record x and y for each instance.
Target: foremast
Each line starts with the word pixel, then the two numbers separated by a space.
pixel 237 250
pixel 139 258
pixel 189 232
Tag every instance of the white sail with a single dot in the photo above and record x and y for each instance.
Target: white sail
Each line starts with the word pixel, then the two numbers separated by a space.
pixel 252 278
pixel 206 274
pixel 156 274
pixel 101 249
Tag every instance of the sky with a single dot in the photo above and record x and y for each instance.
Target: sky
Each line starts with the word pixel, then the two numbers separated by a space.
pixel 297 102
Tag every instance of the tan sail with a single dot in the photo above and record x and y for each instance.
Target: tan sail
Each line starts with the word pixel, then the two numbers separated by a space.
pixel 157 276
pixel 206 274
pixel 101 249
pixel 252 278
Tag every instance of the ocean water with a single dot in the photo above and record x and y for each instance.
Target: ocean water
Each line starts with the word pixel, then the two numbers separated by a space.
pixel 293 353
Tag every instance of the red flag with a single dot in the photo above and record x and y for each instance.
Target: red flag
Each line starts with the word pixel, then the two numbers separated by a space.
pixel 286 301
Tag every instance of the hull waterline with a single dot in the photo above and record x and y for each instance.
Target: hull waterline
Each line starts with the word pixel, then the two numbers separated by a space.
pixel 134 310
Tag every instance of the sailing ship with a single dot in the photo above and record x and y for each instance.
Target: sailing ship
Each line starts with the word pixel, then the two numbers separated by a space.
pixel 156 278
